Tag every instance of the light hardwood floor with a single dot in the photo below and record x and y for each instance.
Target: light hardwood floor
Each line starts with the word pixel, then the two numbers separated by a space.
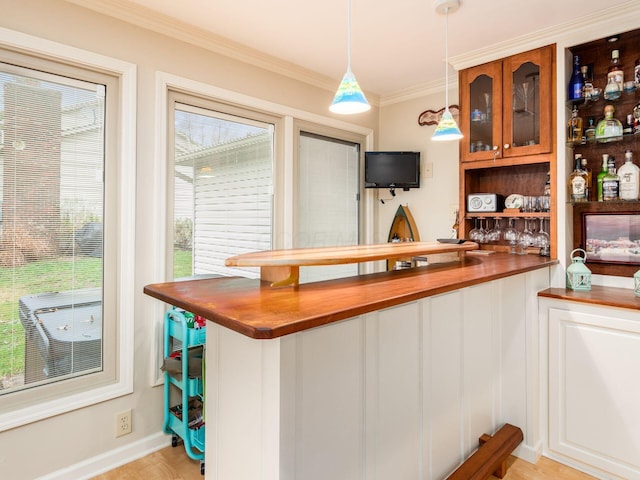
pixel 173 464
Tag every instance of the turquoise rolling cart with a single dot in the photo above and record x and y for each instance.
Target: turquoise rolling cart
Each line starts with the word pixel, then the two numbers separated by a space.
pixel 181 342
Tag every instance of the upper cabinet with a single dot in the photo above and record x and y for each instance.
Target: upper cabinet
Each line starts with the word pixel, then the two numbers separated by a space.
pixel 508 148
pixel 506 108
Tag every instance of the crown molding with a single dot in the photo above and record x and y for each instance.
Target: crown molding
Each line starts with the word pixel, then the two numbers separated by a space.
pixel 418 91
pixel 150 20
pixel 589 27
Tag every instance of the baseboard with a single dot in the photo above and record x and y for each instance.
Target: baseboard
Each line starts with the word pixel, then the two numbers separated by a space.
pixel 529 453
pixel 111 459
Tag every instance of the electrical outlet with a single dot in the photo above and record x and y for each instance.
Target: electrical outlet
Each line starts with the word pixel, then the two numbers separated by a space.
pixel 428 170
pixel 123 423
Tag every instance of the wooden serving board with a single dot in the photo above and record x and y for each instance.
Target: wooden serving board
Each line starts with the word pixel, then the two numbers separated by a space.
pixel 281 267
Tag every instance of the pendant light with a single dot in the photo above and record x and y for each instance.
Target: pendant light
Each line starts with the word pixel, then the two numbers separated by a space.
pixel 447 128
pixel 349 97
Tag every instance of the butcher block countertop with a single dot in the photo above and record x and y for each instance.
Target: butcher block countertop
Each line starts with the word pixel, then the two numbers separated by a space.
pixel 255 309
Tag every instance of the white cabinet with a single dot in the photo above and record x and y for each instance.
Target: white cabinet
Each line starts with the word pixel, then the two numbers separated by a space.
pixel 593 386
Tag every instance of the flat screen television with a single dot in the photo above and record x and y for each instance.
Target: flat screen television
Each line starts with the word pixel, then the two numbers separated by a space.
pixel 392 170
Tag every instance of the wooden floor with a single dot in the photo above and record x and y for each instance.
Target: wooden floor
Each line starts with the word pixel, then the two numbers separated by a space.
pixel 173 464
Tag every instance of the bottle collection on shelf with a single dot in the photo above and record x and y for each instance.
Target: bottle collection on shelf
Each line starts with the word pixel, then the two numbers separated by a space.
pixel 622 184
pixel 609 128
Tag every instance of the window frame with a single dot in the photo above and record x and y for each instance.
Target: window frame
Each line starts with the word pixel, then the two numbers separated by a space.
pixel 23 407
pixel 283 175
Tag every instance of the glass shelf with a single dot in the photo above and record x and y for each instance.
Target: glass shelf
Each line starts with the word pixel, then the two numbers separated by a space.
pixel 625 138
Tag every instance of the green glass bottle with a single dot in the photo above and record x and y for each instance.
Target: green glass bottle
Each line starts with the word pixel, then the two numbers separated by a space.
pixel 601 175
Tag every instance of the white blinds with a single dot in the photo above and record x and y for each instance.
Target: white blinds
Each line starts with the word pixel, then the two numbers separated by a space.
pixel 327 203
pixel 51 193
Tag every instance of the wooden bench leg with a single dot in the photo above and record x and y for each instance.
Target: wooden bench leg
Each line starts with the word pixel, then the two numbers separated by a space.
pixel 491 457
pixel 502 469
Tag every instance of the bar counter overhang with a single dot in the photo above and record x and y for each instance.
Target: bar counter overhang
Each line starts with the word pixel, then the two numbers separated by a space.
pixel 387 375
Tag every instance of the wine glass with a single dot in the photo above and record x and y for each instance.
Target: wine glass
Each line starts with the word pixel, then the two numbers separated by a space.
pixel 495 233
pixel 525 239
pixel 511 235
pixel 475 233
pixel 541 239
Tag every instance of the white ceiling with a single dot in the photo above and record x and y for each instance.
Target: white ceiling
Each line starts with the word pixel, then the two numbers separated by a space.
pixel 396 45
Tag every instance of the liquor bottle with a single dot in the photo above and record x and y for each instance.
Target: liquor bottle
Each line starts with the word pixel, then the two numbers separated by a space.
pixel 574 127
pixel 601 175
pixel 612 91
pixel 610 182
pixel 615 69
pixel 547 186
pixel 609 129
pixel 578 182
pixel 587 85
pixel 590 131
pixel 636 73
pixel 589 178
pixel 629 174
pixel 576 83
pixel 628 127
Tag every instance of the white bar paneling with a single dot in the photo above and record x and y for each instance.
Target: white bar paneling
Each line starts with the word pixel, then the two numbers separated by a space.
pixel 481 362
pixel 444 402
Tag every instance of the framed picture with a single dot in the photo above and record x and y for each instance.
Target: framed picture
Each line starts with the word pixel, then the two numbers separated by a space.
pixel 612 237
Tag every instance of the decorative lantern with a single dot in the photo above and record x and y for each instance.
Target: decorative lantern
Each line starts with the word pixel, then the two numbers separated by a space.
pixel 578 275
pixel 636 283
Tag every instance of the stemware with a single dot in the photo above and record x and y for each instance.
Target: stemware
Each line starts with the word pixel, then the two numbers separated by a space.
pixel 495 233
pixel 478 234
pixel 475 233
pixel 525 238
pixel 511 235
pixel 541 239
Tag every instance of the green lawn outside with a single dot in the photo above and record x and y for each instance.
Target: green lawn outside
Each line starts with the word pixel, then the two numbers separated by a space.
pixel 36 277
pixel 48 276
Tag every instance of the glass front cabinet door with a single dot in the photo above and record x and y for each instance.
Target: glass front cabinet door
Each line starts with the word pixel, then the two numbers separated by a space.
pixel 505 107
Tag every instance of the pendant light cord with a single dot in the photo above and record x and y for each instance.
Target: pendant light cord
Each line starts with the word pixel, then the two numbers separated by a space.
pixel 446 59
pixel 349 36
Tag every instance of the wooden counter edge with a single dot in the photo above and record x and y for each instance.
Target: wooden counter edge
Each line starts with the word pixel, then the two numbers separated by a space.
pixel 265 332
pixel 598 295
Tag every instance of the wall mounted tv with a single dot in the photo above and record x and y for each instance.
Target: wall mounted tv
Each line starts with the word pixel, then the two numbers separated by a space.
pixel 392 170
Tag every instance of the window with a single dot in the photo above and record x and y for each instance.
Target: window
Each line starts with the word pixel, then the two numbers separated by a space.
pixel 222 189
pixel 65 173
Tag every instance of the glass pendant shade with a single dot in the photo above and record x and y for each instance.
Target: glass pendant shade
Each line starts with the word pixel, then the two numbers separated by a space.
pixel 447 128
pixel 349 98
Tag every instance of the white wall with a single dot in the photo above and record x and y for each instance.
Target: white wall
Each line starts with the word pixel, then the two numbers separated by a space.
pixel 432 203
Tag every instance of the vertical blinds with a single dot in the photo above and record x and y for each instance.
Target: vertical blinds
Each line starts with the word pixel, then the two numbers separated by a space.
pixel 327 203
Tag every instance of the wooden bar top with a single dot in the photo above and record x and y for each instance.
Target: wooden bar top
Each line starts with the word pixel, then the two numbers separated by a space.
pixel 256 310
pixel 281 267
pixel 598 295
pixel 344 254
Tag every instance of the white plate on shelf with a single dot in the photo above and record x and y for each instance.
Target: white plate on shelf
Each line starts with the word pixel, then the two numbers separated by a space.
pixel 515 200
